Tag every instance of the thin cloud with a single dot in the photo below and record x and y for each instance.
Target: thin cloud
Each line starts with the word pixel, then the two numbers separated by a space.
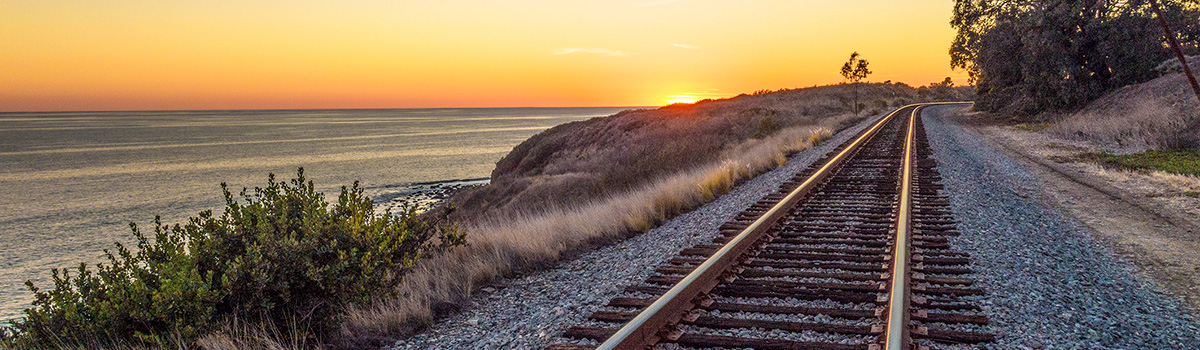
pixel 598 51
pixel 662 2
pixel 685 46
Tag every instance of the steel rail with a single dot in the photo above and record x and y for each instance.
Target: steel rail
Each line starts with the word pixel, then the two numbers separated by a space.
pixel 642 330
pixel 897 335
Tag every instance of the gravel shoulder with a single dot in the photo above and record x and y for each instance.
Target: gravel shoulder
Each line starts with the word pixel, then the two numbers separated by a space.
pixel 530 312
pixel 1144 215
pixel 1052 282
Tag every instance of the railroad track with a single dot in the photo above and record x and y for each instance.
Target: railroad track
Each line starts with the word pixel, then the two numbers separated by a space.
pixel 851 253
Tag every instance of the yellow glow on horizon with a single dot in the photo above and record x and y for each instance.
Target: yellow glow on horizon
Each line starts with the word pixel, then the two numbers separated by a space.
pixel 683 100
pixel 262 54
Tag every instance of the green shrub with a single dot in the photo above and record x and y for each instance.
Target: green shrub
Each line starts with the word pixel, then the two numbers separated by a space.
pixel 285 256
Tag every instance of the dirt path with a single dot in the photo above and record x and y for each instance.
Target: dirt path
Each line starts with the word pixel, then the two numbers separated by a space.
pixel 1135 213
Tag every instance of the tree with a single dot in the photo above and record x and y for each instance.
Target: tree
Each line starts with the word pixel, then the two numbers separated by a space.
pixel 1027 57
pixel 941 90
pixel 1170 35
pixel 855 70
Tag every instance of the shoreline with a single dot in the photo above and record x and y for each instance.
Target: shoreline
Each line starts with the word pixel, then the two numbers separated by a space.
pixel 422 195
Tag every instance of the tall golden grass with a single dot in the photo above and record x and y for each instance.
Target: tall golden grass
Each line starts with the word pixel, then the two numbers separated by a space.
pixel 238 336
pixel 583 162
pixel 502 246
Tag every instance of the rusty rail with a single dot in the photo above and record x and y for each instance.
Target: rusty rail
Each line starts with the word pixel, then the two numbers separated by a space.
pixel 643 329
pixel 897 334
pixel 920 226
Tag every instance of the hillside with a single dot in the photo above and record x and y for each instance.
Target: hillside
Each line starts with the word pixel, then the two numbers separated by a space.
pixel 580 162
pixel 1152 115
pixel 582 184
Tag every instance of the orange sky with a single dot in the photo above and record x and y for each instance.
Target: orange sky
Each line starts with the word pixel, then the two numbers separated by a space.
pixel 246 54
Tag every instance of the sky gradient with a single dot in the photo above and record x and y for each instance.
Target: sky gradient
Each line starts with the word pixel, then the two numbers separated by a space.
pixel 170 55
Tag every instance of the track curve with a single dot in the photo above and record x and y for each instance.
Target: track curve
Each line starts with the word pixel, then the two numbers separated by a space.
pixel 820 264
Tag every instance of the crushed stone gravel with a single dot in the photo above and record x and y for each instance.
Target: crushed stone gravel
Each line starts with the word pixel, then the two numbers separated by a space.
pixel 1050 283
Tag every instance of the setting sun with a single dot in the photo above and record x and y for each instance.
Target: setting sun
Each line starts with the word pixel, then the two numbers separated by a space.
pixel 675 100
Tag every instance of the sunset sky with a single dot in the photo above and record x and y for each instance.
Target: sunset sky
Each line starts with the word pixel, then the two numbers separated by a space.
pixel 167 54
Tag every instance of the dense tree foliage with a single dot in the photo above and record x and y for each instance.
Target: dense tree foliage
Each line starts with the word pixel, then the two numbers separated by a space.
pixel 284 257
pixel 1027 56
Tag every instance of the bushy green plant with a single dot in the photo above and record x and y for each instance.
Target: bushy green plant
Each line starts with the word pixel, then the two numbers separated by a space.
pixel 284 256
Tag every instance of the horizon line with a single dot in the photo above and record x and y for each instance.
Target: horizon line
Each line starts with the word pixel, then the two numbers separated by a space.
pixel 306 109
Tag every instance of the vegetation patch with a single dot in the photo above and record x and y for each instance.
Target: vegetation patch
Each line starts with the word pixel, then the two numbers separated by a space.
pixel 1033 126
pixel 583 162
pixel 1184 162
pixel 283 256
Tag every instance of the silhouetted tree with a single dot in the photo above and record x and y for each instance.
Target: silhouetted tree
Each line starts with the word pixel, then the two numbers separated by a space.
pixel 855 70
pixel 943 90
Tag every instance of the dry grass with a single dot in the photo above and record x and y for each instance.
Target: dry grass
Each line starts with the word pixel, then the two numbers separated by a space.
pixel 583 162
pixel 503 246
pixel 1147 183
pixel 1158 114
pixel 241 336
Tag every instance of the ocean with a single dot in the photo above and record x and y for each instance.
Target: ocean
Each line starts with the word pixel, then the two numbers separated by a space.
pixel 70 183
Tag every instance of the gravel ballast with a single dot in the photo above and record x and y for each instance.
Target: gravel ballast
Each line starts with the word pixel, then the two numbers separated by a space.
pixel 530 312
pixel 1050 283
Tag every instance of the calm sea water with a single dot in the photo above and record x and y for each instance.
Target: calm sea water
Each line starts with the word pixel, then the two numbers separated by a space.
pixel 70 183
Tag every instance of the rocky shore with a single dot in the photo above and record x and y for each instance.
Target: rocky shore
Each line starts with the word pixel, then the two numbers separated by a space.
pixel 422 195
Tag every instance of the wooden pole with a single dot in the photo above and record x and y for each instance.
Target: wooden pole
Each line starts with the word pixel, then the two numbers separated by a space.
pixel 1162 21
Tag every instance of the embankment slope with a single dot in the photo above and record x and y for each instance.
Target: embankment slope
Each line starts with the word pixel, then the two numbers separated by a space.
pixel 1157 114
pixel 584 161
pixel 583 184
